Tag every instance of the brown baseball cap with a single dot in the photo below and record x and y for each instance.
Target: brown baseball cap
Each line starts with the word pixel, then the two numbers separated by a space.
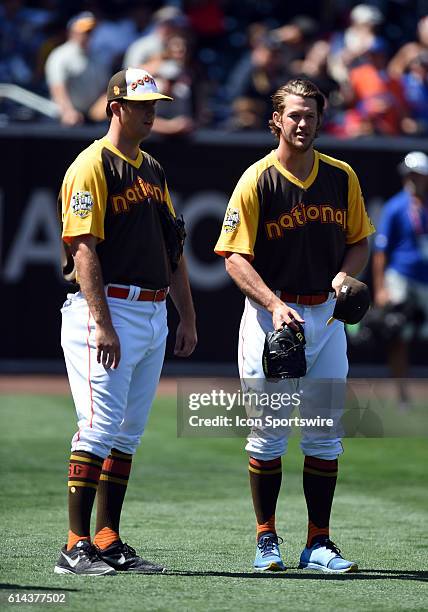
pixel 133 84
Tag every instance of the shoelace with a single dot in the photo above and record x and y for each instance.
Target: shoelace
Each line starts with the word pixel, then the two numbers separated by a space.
pixel 88 552
pixel 266 544
pixel 128 551
pixel 332 546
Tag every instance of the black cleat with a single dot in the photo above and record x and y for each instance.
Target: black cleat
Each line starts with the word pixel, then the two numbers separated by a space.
pixel 123 558
pixel 82 560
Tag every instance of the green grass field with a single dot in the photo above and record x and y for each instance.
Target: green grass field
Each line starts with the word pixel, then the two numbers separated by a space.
pixel 188 506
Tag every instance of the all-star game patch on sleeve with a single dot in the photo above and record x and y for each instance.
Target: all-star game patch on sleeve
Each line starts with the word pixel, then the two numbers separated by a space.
pixel 239 230
pixel 84 196
pixel 359 224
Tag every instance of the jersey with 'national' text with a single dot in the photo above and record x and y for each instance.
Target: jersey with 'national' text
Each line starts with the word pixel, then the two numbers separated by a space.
pixel 295 232
pixel 114 198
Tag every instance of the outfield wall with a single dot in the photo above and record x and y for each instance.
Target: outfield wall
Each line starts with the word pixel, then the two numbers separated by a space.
pixel 201 170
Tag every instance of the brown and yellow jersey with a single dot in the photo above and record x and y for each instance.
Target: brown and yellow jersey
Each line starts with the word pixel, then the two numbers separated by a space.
pixel 113 197
pixel 295 232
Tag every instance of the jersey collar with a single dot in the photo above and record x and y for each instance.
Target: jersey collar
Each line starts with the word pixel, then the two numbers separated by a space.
pixel 134 162
pixel 293 179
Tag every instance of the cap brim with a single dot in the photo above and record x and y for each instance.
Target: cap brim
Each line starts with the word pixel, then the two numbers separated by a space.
pixel 84 25
pixel 405 170
pixel 147 97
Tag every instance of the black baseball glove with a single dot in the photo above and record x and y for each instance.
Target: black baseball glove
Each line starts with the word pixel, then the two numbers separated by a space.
pixel 173 232
pixel 284 353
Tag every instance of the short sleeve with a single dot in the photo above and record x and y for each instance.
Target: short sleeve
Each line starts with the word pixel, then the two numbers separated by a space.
pixel 359 224
pixel 84 199
pixel 239 230
pixel 56 68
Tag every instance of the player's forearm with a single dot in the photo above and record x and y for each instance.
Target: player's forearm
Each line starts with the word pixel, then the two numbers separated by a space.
pixel 250 282
pixel 180 292
pixel 356 258
pixel 91 282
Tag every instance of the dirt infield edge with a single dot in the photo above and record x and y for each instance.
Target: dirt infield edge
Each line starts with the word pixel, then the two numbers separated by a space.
pixel 58 385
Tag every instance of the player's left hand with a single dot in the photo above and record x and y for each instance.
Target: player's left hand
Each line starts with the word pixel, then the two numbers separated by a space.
pixel 186 339
pixel 337 282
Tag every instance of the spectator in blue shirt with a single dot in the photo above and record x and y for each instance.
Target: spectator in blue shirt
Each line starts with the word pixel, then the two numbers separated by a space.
pixel 400 261
pixel 415 89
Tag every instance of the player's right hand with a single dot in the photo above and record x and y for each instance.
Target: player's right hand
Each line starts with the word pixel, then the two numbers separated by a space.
pixel 108 346
pixel 285 315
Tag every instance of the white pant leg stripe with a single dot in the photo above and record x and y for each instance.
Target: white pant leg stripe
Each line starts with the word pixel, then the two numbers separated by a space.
pixel 241 339
pixel 91 400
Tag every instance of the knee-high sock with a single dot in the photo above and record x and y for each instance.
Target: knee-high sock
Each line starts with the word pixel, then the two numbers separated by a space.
pixel 83 476
pixel 319 482
pixel 111 493
pixel 265 482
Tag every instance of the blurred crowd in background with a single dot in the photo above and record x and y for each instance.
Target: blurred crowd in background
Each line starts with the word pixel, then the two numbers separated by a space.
pixel 221 60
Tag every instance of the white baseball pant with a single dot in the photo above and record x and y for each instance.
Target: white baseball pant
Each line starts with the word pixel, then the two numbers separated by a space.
pixel 113 405
pixel 323 388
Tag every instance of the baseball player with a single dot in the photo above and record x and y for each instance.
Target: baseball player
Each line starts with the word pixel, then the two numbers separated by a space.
pixel 400 261
pixel 294 228
pixel 114 328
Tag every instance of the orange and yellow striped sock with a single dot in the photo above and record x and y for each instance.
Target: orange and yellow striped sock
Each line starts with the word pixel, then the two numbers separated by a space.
pixel 319 483
pixel 265 482
pixel 73 538
pixel 111 493
pixel 105 537
pixel 83 476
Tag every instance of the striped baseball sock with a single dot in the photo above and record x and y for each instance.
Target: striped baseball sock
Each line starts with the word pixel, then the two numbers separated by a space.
pixel 265 483
pixel 111 493
pixel 319 482
pixel 83 476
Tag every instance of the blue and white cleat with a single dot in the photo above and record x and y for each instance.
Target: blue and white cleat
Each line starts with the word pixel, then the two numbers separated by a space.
pixel 324 556
pixel 268 557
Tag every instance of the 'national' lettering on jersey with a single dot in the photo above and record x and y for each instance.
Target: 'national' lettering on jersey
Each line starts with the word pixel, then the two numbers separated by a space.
pixel 138 192
pixel 301 214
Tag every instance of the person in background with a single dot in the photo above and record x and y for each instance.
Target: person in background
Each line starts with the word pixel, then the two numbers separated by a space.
pixel 21 34
pixel 166 22
pixel 376 100
pixel 261 77
pixel 76 80
pixel 118 26
pixel 415 88
pixel 247 114
pixel 175 117
pixel 297 38
pixel 347 46
pixel 399 63
pixel 400 261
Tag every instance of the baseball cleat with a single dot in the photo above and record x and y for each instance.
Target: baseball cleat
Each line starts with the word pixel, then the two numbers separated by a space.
pixel 82 560
pixel 324 556
pixel 268 557
pixel 123 558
